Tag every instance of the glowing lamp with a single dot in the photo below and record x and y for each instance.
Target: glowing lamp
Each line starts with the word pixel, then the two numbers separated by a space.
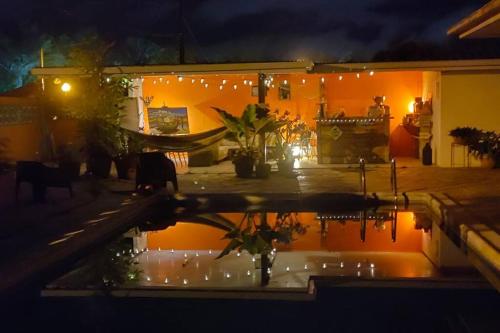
pixel 66 87
pixel 411 107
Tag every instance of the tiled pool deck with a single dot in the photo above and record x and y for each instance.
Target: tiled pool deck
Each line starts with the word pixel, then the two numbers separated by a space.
pixel 33 236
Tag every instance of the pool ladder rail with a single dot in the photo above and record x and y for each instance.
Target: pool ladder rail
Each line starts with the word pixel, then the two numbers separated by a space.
pixel 394 189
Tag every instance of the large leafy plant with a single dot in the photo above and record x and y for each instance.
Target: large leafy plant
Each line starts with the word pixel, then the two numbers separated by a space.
pixel 98 100
pixel 254 121
pixel 291 130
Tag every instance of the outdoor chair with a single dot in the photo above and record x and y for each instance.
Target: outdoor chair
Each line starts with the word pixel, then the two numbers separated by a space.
pixel 41 177
pixel 154 169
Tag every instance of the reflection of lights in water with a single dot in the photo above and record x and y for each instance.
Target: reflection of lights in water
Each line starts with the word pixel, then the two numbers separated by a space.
pixel 359 273
pixel 359 265
pixel 249 273
pixel 296 164
pixel 372 265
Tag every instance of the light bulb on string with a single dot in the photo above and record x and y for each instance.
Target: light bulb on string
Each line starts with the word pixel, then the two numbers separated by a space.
pixel 357 75
pixel 221 87
pixel 224 81
pixel 235 87
pixel 180 78
pixel 250 82
pixel 193 80
pixel 206 85
pixel 161 79
pixel 322 80
pixel 303 81
pixel 371 73
pixel 202 80
pixel 245 82
pixel 340 77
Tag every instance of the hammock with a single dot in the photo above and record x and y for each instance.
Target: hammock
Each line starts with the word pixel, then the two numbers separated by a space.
pixel 182 142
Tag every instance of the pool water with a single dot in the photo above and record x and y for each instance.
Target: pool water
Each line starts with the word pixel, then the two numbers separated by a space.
pixel 183 251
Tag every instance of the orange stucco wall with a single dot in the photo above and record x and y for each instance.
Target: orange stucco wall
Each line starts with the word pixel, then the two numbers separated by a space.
pixel 351 94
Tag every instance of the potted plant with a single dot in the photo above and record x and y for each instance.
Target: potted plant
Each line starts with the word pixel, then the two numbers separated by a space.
pixel 245 130
pixel 464 135
pixel 97 103
pixel 486 148
pixel 70 160
pixel 126 159
pixel 291 131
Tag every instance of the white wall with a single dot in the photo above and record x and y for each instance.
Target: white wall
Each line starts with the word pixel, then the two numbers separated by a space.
pixel 467 99
pixel 431 89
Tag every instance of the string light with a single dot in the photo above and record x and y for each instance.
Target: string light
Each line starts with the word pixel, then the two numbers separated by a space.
pixel 154 81
pixel 357 75
pixel 235 87
pixel 168 81
pixel 180 78
pixel 206 277
pixel 287 269
pixel 249 273
pixel 206 85
pixel 303 81
pixel 322 80
pixel 185 281
pixel 193 80
pixel 224 81
pixel 250 82
pixel 161 79
pixel 202 80
pixel 166 280
pixel 285 82
pixel 371 73
pixel 245 82
pixel 340 77
pixel 228 275
pixel 221 87
pixel 306 267
pixel 324 265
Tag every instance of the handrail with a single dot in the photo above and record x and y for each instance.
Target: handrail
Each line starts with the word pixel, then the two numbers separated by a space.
pixel 394 185
pixel 362 176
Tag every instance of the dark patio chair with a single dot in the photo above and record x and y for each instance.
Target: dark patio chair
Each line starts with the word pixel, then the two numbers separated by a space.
pixel 41 177
pixel 155 170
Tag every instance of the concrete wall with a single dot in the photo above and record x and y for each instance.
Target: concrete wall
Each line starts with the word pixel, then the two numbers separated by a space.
pixel 467 99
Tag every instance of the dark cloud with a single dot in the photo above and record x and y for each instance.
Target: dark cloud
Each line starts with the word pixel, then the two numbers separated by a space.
pixel 242 29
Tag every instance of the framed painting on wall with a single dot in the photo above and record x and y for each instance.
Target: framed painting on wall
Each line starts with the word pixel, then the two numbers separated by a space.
pixel 168 120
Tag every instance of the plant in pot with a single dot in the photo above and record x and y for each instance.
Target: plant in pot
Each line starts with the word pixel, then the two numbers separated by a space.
pixel 97 102
pixel 126 159
pixel 464 135
pixel 486 148
pixel 69 159
pixel 258 237
pixel 290 131
pixel 245 130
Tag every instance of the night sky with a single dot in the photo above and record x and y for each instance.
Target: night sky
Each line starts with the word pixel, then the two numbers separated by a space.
pixel 223 30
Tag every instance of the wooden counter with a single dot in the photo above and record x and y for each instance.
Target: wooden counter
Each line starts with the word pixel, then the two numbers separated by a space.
pixel 345 140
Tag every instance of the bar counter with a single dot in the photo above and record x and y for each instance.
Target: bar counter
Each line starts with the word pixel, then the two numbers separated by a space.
pixel 346 139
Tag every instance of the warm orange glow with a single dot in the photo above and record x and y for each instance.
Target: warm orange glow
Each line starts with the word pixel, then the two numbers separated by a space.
pixel 338 237
pixel 411 107
pixel 66 87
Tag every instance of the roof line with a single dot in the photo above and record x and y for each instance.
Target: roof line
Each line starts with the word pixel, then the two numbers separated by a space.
pixel 484 13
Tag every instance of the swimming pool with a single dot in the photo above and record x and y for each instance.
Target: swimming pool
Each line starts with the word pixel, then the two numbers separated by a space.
pixel 180 251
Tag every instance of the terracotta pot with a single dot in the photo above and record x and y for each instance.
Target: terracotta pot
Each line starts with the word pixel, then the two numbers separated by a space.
pixel 487 162
pixel 99 165
pixel 285 166
pixel 243 166
pixel 459 140
pixel 263 170
pixel 124 164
